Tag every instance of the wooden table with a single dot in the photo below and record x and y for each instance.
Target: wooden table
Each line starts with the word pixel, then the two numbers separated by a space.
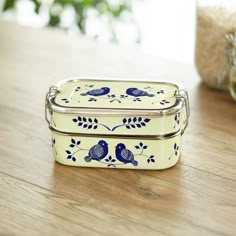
pixel 41 197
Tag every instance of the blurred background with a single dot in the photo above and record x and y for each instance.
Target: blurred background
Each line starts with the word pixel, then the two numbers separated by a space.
pixel 160 28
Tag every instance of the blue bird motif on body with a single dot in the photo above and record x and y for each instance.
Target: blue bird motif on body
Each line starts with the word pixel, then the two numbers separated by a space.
pixel 135 92
pixel 97 152
pixel 97 92
pixel 125 155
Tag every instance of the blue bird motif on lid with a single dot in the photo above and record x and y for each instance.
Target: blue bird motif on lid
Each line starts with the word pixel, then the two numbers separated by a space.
pixel 97 92
pixel 125 155
pixel 97 152
pixel 135 92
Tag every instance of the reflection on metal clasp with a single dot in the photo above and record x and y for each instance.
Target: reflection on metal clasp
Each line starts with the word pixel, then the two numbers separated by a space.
pixel 183 94
pixel 53 90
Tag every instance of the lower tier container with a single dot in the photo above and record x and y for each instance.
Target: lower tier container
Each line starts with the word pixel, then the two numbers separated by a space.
pixel 122 152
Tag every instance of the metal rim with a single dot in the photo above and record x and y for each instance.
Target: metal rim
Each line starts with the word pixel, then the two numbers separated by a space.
pixel 177 107
pixel 145 137
pixel 73 79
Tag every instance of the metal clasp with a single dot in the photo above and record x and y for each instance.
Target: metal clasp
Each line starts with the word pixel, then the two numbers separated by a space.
pixel 182 94
pixel 53 90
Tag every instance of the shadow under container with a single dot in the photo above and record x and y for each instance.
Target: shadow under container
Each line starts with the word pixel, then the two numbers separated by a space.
pixel 117 123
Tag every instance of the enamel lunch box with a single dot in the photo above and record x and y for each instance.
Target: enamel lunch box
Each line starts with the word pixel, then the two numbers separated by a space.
pixel 117 123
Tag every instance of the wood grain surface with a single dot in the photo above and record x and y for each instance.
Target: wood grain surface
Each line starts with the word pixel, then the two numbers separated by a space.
pixel 41 197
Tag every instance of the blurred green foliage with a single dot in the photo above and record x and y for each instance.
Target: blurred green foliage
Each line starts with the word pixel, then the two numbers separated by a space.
pixel 80 7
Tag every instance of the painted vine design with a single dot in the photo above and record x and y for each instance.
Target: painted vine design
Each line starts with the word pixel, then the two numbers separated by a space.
pixel 176 120
pixel 128 123
pixel 71 97
pixel 100 153
pixel 133 94
pixel 175 152
pixel 53 146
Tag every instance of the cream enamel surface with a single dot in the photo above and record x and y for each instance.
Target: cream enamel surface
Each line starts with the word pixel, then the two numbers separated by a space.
pixel 162 150
pixel 156 125
pixel 118 88
pixel 76 94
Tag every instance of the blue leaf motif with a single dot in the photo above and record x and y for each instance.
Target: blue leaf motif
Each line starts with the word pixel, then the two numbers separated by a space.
pixel 124 120
pixel 175 146
pixel 68 152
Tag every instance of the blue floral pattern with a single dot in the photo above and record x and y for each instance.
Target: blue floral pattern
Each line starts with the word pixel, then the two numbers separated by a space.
pixel 128 123
pixel 134 94
pixel 99 152
pixel 75 145
pixel 175 152
pixel 53 146
pixel 176 119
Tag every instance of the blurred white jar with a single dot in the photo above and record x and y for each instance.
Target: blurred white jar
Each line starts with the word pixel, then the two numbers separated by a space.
pixel 215 19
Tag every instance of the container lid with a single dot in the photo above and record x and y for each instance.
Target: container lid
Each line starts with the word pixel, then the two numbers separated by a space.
pixel 115 96
pixel 116 107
